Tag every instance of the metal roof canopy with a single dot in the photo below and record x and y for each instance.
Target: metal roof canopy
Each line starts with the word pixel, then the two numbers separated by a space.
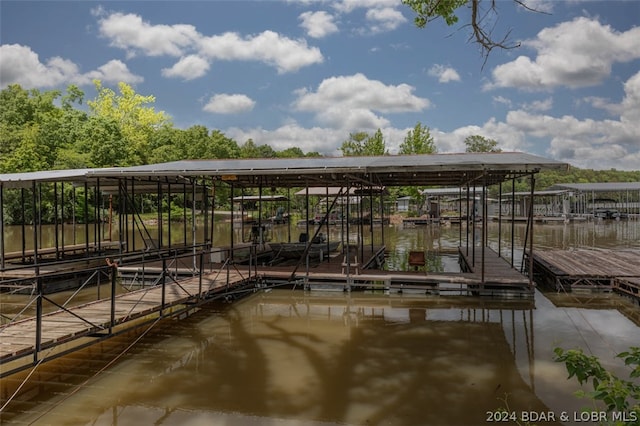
pixel 599 186
pixel 547 192
pixel 78 177
pixel 388 170
pixel 25 180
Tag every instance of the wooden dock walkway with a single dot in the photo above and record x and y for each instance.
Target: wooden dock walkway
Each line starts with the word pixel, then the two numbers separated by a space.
pixel 500 279
pixel 597 269
pixel 65 329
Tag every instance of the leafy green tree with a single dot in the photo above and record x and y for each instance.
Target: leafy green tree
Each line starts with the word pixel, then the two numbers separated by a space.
pixel 375 145
pixel 363 144
pixel 418 141
pixel 354 146
pixel 293 152
pixel 477 143
pixel 105 144
pixel 223 146
pixel 133 114
pixel 481 26
pixel 30 124
pixel 250 150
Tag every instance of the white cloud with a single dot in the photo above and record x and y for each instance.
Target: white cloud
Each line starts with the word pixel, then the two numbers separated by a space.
pixel 508 138
pixel 113 71
pixel 130 32
pixel 318 24
pixel 349 101
pixel 188 67
pixel 229 104
pixel 590 143
pixel 543 105
pixel 272 48
pixel 444 74
pixel 384 19
pixel 577 53
pixel 22 65
pixel 502 100
pixel 315 139
pixel 348 6
pixel 545 6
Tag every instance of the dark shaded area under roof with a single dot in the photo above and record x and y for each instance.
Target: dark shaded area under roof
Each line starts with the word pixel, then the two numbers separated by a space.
pixel 389 170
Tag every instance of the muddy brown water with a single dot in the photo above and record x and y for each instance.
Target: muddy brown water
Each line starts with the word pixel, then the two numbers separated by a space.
pixel 331 358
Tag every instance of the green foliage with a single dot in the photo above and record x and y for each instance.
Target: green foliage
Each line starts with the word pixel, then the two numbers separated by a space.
pixel 428 10
pixel 477 143
pixel 250 150
pixel 418 141
pixel 362 144
pixel 133 114
pixel 618 395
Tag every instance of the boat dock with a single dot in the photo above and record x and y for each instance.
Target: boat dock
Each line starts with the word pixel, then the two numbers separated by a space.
pixel 29 341
pixel 500 279
pixel 604 270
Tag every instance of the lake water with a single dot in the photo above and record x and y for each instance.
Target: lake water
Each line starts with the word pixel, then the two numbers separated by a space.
pixel 331 358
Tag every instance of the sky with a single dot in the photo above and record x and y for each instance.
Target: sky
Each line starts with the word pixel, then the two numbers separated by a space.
pixel 308 73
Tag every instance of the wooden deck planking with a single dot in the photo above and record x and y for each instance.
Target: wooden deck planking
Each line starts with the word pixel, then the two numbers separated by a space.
pixel 18 338
pixel 582 262
pixel 617 270
pixel 498 272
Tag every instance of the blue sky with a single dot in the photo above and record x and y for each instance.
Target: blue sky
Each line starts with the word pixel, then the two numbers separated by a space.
pixel 307 73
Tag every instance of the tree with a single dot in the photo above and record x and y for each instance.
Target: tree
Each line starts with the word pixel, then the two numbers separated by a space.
pixel 293 152
pixel 363 144
pixel 418 141
pixel 33 129
pixel 480 22
pixel 105 144
pixel 250 150
pixel 131 111
pixel 477 143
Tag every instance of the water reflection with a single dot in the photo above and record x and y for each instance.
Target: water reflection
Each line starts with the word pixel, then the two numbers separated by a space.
pixel 341 359
pixel 313 358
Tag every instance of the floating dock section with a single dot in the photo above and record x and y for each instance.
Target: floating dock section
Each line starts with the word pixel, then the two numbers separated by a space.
pixel 597 269
pixel 32 340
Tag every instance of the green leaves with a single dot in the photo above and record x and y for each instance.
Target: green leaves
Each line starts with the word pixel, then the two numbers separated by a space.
pixel 428 10
pixel 363 144
pixel 418 141
pixel 616 394
pixel 477 143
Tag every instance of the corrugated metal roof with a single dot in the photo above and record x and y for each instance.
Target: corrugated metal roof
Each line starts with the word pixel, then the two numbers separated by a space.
pixel 22 180
pixel 599 186
pixel 388 170
pixel 108 183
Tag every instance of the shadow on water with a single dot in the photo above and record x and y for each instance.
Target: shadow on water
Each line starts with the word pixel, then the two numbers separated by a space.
pixel 296 357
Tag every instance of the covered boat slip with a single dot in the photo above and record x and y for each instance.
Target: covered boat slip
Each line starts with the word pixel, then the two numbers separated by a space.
pixel 357 263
